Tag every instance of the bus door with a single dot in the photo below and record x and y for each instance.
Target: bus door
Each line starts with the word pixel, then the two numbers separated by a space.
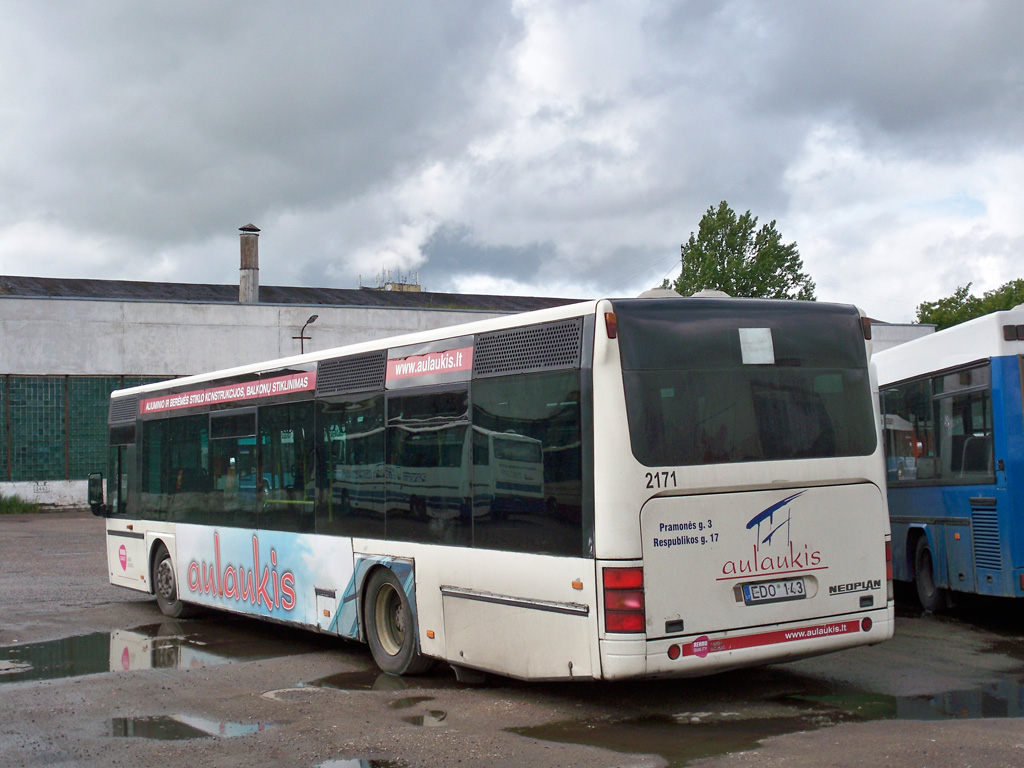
pixel 966 459
pixel 127 555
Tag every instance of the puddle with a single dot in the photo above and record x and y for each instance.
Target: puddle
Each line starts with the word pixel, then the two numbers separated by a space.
pixel 176 727
pixel 431 719
pixel 373 680
pixel 169 645
pixel 686 736
pixel 408 702
pixel 290 694
pixel 358 763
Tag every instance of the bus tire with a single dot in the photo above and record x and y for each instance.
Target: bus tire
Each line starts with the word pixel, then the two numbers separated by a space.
pixel 390 626
pixel 931 597
pixel 418 507
pixel 165 585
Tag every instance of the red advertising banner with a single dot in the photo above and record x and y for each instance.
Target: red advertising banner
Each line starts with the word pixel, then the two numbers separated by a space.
pixel 449 361
pixel 702 646
pixel 250 390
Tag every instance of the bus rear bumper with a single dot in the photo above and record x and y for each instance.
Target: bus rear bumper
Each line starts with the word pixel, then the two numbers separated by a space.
pixel 695 656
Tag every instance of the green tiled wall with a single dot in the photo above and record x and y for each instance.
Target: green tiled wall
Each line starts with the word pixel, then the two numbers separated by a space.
pixel 87 414
pixel 35 409
pixel 3 428
pixel 55 427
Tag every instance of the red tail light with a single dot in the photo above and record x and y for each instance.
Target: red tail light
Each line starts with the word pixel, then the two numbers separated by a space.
pixel 888 571
pixel 624 600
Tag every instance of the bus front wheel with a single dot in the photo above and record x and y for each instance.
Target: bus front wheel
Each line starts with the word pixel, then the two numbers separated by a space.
pixel 390 629
pixel 932 598
pixel 165 586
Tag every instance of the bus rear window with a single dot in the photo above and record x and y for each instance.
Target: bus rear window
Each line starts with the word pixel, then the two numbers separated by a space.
pixel 711 381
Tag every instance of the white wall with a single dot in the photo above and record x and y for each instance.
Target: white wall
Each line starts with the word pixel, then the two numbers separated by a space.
pixel 886 335
pixel 49 493
pixel 110 338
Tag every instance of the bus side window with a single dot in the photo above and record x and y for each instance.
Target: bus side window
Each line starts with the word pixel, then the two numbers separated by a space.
pixel 285 467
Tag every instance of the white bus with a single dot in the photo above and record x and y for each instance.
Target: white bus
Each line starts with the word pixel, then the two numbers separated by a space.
pixel 710 474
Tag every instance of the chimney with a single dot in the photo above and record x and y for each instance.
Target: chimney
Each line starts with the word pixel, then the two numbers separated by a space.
pixel 249 274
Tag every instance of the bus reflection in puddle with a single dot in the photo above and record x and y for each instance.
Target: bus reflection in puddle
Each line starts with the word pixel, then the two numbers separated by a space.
pixel 689 736
pixel 175 727
pixel 158 646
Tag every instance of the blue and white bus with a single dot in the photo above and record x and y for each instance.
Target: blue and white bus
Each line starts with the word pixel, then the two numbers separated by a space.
pixel 614 489
pixel 954 433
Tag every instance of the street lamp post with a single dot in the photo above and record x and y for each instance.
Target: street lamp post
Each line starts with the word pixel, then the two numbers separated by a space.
pixel 302 337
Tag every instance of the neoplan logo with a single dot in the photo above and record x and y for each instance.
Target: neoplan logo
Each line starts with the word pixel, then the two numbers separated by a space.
pixel 855 586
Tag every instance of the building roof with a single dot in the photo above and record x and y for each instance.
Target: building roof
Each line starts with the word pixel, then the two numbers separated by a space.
pixel 204 293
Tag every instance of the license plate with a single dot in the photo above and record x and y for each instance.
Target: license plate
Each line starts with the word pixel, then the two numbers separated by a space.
pixel 774 591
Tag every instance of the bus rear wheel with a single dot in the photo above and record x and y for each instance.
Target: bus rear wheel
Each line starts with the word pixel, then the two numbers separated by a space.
pixel 165 585
pixel 931 597
pixel 390 629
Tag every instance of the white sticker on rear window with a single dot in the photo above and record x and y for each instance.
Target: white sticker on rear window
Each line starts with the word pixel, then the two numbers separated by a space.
pixel 756 346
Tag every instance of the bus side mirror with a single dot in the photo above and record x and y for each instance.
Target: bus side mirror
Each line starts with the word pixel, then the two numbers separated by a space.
pixel 96 494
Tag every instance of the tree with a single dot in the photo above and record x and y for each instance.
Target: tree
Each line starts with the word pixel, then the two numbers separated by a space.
pixel 727 254
pixel 962 306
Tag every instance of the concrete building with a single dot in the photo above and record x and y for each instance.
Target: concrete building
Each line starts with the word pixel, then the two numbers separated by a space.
pixel 886 335
pixel 66 344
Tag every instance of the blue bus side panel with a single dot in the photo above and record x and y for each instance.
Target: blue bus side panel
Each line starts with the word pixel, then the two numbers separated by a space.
pixel 1008 411
pixel 959 557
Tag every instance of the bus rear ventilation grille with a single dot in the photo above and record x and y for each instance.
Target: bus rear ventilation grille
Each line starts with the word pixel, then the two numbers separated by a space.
pixel 550 346
pixel 123 409
pixel 362 373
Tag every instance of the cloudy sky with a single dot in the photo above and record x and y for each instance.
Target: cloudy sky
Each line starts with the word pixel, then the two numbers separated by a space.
pixel 539 148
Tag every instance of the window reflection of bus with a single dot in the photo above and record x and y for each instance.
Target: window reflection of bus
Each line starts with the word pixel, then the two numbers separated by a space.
pixel 563 479
pixel 901 447
pixel 425 475
pixel 508 473
pixel 354 473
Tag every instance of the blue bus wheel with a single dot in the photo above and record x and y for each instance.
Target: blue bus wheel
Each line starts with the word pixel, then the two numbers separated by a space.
pixel 932 598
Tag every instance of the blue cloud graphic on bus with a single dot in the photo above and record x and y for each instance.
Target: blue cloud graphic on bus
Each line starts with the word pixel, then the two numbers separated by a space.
pixel 768 514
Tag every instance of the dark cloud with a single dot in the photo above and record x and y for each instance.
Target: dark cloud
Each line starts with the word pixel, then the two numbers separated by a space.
pixel 535 147
pixel 158 123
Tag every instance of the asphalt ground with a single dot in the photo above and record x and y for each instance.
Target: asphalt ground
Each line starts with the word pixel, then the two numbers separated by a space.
pixel 93 675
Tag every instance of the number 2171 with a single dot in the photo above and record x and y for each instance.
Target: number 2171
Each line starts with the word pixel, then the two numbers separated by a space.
pixel 661 479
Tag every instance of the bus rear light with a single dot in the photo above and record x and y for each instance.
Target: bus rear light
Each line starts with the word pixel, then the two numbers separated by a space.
pixel 624 599
pixel 611 325
pixel 890 595
pixel 622 621
pixel 623 578
pixel 865 624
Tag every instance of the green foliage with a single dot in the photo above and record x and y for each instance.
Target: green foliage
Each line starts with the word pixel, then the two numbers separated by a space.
pixel 727 254
pixel 962 306
pixel 15 505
